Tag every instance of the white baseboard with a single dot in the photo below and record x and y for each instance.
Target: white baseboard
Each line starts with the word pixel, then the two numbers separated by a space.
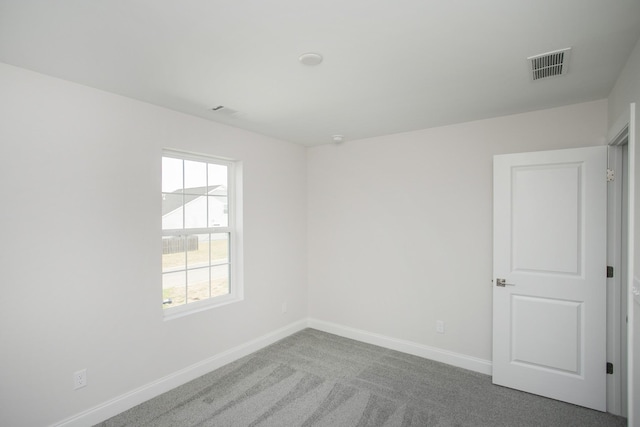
pixel 455 359
pixel 130 399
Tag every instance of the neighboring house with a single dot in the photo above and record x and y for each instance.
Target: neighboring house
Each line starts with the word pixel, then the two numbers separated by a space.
pixel 192 202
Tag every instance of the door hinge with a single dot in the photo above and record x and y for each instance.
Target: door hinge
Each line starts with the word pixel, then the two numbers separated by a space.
pixel 609 368
pixel 609 271
pixel 610 175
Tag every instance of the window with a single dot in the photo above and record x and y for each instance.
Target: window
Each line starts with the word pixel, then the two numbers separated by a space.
pixel 199 238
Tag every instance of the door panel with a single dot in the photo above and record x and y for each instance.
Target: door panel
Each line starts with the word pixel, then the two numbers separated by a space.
pixel 546 236
pixel 549 319
pixel 562 316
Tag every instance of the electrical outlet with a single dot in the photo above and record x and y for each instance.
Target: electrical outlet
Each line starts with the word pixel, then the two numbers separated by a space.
pixel 440 326
pixel 79 379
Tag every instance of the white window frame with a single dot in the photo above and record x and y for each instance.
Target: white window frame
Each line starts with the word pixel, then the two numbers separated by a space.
pixel 233 228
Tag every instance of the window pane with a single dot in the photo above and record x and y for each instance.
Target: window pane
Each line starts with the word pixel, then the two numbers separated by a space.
pixel 173 289
pixel 173 253
pixel 172 211
pixel 197 251
pixel 171 174
pixel 197 284
pixel 217 176
pixel 218 211
pixel 195 177
pixel 219 248
pixel 195 212
pixel 219 280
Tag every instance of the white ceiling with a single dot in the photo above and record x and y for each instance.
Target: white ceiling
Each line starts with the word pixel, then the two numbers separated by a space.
pixel 389 65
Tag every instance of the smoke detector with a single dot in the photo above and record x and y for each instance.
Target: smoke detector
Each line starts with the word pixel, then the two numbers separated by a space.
pixel 549 64
pixel 310 58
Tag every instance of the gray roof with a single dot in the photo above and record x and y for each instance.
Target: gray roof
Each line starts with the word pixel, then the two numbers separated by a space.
pixel 169 204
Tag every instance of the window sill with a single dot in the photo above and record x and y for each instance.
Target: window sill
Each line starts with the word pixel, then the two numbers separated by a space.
pixel 196 307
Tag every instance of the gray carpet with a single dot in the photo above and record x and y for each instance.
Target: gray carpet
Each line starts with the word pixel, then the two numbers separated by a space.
pixel 317 379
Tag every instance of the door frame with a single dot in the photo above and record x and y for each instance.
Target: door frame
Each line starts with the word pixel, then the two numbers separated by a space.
pixel 617 297
pixel 625 128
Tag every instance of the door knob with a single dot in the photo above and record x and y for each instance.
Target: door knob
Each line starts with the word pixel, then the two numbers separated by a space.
pixel 503 282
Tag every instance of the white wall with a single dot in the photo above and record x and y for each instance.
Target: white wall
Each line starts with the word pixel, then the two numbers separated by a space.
pixel 400 226
pixel 80 251
pixel 626 91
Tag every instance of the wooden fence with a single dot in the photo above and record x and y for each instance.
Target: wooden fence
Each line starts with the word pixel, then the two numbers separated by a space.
pixel 177 244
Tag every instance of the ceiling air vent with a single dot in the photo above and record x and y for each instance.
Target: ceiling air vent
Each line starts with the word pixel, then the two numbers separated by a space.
pixel 222 110
pixel 549 64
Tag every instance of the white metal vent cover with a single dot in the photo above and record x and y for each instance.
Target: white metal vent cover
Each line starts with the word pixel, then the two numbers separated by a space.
pixel 549 64
pixel 225 111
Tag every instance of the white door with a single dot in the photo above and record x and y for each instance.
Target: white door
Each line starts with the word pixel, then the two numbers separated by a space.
pixel 549 318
